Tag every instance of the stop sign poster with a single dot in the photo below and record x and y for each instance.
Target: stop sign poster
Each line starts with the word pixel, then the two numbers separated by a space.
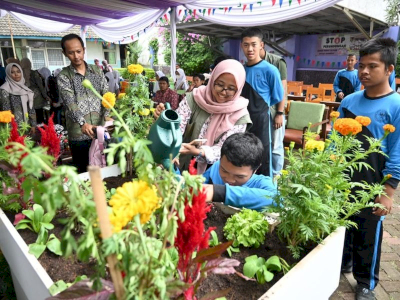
pixel 339 44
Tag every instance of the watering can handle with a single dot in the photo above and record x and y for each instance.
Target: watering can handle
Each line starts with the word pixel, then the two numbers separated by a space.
pixel 167 105
pixel 173 130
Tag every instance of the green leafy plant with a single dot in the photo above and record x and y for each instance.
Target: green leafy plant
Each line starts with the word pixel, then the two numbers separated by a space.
pixel 61 285
pixel 133 52
pixel 40 223
pixel 315 194
pixel 261 269
pixel 215 242
pixel 247 228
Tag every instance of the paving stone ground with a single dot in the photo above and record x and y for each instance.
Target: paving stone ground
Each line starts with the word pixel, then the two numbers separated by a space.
pixel 389 284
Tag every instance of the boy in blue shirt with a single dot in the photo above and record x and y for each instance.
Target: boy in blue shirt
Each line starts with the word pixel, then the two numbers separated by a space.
pixel 362 249
pixel 263 89
pixel 346 81
pixel 232 180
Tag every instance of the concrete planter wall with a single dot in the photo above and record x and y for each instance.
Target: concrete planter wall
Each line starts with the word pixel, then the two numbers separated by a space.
pixel 316 276
pixel 31 282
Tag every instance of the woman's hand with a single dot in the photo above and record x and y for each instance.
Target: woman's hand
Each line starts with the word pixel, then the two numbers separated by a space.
pixel 189 149
pixel 159 109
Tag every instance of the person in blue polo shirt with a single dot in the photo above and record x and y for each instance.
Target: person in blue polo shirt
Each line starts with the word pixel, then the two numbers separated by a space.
pixel 346 81
pixel 232 179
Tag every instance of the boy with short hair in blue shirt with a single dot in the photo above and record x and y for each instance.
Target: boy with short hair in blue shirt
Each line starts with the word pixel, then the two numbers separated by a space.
pixel 263 89
pixel 346 81
pixel 232 179
pixel 381 104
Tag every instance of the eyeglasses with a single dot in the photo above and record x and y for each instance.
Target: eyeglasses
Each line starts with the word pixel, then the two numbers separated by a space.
pixel 220 88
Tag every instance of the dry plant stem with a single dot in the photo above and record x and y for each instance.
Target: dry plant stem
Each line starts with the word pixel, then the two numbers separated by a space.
pixel 105 227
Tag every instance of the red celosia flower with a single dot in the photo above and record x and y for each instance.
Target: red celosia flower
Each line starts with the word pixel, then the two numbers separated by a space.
pixel 16 138
pixel 192 169
pixel 191 237
pixel 50 139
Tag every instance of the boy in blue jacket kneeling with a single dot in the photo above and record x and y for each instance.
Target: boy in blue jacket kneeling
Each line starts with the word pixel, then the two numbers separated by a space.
pixel 232 179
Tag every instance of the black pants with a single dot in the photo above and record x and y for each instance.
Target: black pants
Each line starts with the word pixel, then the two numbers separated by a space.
pixel 362 250
pixel 80 154
pixel 39 115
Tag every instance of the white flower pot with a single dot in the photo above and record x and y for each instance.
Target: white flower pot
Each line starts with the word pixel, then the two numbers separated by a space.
pixel 316 276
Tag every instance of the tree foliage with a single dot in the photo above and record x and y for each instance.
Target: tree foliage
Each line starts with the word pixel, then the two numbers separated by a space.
pixel 193 55
pixel 392 11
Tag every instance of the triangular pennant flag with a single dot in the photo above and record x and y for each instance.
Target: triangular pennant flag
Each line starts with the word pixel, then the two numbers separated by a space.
pixel 273 2
pixel 328 64
pixel 333 64
pixel 185 12
pixel 225 9
pixel 240 5
pixel 322 64
pixel 204 11
pixel 304 60
pixel 290 2
pixel 313 62
pixel 344 63
pixel 132 37
pixel 229 10
pixel 180 11
pixel 297 58
pixel 194 13
pixel 251 7
pixel 209 11
pixel 308 61
pixel 280 3
pixel 213 11
pixel 259 2
pixel 299 1
pixel 244 7
pixel 190 12
pixel 144 30
pixel 338 64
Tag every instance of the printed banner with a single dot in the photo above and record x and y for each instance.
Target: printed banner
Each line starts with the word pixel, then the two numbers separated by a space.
pixel 340 44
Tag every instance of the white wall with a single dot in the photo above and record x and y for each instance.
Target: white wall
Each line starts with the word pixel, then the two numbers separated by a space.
pixel 372 8
pixel 95 50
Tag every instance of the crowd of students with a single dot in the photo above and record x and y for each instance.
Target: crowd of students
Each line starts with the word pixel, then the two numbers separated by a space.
pixel 233 125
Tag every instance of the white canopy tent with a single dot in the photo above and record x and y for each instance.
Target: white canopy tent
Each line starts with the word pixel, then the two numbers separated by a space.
pixel 119 21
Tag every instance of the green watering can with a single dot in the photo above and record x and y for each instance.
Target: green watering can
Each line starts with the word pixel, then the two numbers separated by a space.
pixel 166 137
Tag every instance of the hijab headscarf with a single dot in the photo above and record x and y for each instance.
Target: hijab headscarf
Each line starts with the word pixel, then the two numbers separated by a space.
pixel 223 115
pixel 111 82
pixel 106 66
pixel 156 85
pixel 26 66
pixel 18 88
pixel 45 73
pixel 181 80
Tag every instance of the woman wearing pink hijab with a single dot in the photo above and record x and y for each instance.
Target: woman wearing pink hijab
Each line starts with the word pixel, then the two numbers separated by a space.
pixel 212 112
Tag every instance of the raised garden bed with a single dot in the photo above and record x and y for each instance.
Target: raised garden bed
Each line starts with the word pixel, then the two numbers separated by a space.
pixel 321 266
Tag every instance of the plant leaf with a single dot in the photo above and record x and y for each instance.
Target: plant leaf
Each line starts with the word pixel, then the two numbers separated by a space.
pixel 216 294
pixel 222 265
pixel 211 253
pixel 82 290
pixel 36 249
pixel 38 213
pixel 54 245
pixel 273 264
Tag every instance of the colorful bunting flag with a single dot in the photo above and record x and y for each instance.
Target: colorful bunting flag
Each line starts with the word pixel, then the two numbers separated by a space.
pixel 213 11
pixel 251 7
pixel 308 62
pixel 179 13
pixel 322 64
pixel 280 3
pixel 194 13
pixel 317 63
pixel 328 64
pixel 273 2
pixel 338 64
pixel 333 64
pixel 225 9
pixel 230 8
pixel 297 58
pixel 209 11
pixel 290 2
pixel 244 7
pixel 313 62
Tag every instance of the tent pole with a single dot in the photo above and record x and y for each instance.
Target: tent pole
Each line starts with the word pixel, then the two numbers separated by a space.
pixel 12 37
pixel 83 31
pixel 173 41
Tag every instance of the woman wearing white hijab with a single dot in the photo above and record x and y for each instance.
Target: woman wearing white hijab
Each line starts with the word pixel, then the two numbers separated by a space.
pixel 45 73
pixel 16 96
pixel 181 82
pixel 159 74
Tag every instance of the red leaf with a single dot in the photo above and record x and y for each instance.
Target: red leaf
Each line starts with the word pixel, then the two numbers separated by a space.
pixel 222 265
pixel 18 218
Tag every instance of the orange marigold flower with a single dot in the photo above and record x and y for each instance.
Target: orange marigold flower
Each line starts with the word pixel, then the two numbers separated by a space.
pixel 364 121
pixel 389 128
pixel 6 116
pixel 347 126
pixel 335 114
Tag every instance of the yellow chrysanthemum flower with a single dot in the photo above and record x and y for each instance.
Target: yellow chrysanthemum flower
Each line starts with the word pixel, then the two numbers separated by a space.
pixel 135 69
pixel 389 128
pixel 144 112
pixel 6 116
pixel 108 100
pixel 121 95
pixel 347 126
pixel 284 172
pixel 135 197
pixel 318 145
pixel 364 121
pixel 334 114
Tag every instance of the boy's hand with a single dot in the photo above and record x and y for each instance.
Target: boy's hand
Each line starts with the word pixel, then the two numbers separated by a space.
pixel 209 189
pixel 340 95
pixel 278 121
pixel 189 149
pixel 159 109
pixel 387 202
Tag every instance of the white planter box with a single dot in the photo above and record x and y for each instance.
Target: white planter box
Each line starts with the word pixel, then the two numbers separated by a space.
pixel 31 282
pixel 316 276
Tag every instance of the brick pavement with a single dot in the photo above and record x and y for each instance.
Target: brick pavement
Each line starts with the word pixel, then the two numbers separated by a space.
pixel 389 284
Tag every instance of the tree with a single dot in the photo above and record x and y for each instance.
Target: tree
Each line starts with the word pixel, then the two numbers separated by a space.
pixel 193 56
pixel 134 51
pixel 392 11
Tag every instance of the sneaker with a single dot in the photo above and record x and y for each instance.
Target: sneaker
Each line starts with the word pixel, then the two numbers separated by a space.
pixel 363 293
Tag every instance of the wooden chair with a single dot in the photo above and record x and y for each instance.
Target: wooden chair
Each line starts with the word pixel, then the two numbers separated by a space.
pixel 330 96
pixel 332 106
pixel 295 90
pixel 291 98
pixel 295 83
pixel 305 87
pixel 319 92
pixel 300 115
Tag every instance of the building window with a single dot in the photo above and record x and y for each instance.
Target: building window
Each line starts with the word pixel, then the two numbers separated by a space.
pixel 55 57
pixel 7 51
pixel 110 53
pixel 38 59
